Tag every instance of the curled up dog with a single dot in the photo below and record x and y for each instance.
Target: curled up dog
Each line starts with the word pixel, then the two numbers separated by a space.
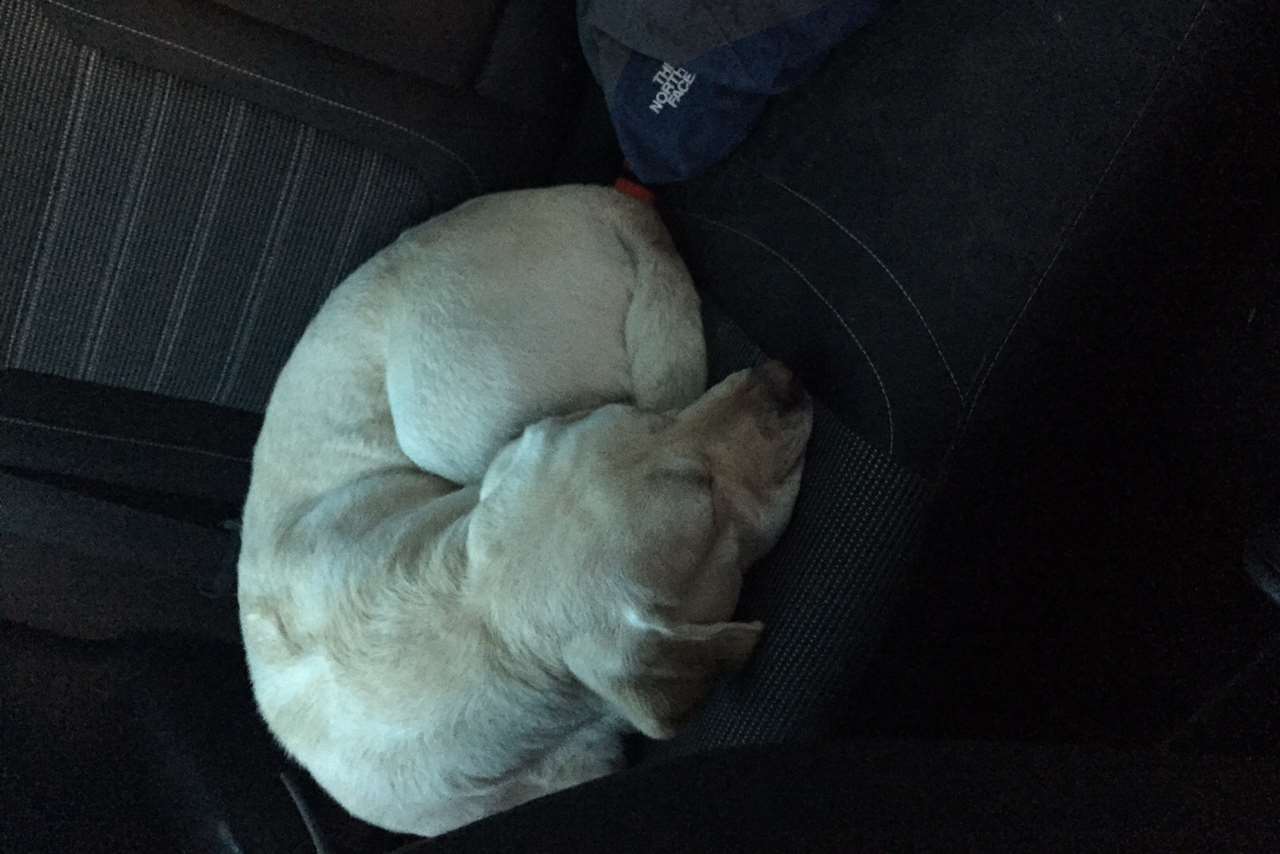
pixel 495 522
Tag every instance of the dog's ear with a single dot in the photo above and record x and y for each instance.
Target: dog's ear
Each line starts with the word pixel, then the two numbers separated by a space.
pixel 663 329
pixel 655 676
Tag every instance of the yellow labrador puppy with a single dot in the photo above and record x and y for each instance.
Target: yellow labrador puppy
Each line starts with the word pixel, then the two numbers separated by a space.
pixel 493 522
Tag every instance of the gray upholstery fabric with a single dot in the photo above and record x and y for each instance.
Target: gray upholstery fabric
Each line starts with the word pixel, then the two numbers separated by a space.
pixel 163 237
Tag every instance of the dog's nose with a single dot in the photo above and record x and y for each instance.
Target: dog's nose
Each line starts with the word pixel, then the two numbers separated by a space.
pixel 781 384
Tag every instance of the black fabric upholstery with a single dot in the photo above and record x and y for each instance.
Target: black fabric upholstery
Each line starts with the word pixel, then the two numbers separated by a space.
pixel 1084 580
pixel 899 796
pixel 1239 719
pixel 82 593
pixel 441 40
pixel 145 744
pixel 535 63
pixel 115 508
pixel 53 513
pixel 519 53
pixel 119 436
pixel 886 224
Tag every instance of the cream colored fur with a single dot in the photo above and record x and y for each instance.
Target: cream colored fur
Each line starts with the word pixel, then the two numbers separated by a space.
pixel 493 522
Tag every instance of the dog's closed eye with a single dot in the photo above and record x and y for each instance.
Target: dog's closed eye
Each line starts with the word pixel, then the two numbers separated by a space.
pixel 575 417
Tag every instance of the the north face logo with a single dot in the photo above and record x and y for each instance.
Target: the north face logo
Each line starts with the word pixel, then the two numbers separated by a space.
pixel 672 84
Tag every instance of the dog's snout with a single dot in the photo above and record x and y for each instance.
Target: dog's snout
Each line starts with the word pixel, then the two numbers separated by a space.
pixel 781 384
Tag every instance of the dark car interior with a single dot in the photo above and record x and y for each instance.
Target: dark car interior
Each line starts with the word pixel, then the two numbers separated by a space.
pixel 1023 255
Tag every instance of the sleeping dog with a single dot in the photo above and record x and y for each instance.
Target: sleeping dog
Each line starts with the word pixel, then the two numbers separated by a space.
pixel 494 522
